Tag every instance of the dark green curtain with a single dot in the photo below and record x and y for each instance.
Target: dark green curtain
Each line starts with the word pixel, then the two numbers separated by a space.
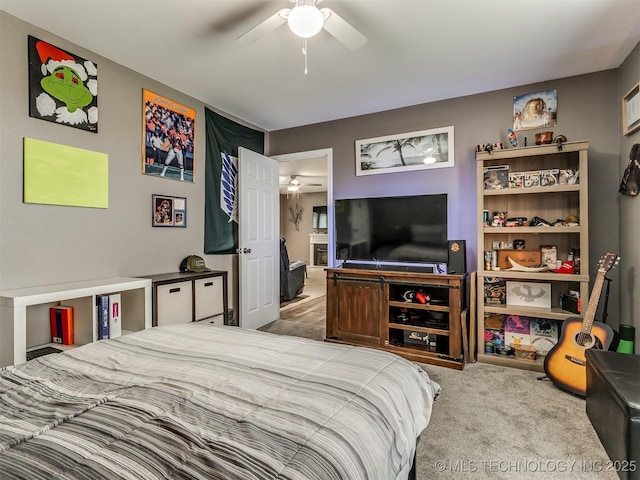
pixel 223 137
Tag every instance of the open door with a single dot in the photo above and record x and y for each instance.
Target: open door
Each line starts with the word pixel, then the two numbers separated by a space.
pixel 258 239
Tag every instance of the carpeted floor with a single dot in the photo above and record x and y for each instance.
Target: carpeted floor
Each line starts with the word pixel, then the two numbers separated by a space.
pixel 503 423
pixel 490 422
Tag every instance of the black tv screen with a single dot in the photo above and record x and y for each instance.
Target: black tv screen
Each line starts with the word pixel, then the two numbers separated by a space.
pixel 399 229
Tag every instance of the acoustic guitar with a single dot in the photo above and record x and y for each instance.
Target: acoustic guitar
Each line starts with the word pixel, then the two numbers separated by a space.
pixel 565 364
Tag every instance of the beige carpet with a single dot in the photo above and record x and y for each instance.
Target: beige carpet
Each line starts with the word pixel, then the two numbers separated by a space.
pixel 490 422
pixel 503 423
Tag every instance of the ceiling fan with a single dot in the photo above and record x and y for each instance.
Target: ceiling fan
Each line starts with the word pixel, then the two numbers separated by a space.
pixel 293 186
pixel 305 19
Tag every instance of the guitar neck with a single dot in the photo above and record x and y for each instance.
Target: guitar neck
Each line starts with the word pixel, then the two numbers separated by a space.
pixel 593 303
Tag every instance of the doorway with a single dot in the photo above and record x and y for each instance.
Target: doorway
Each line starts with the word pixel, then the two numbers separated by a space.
pixel 310 240
pixel 308 167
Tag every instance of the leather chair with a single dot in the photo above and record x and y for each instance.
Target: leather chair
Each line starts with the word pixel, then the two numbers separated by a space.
pixel 613 407
pixel 292 275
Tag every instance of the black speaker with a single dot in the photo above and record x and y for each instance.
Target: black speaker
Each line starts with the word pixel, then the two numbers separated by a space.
pixel 457 259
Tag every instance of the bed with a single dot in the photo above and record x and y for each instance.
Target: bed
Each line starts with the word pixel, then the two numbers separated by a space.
pixel 200 401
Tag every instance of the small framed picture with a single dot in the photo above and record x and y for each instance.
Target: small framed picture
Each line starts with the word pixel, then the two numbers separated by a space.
pixel 169 211
pixel 631 110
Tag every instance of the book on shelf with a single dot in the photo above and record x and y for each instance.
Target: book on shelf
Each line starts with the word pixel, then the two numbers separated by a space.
pixel 102 302
pixel 61 319
pixel 115 323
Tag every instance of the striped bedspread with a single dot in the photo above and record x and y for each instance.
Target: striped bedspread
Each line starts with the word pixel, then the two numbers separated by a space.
pixel 200 401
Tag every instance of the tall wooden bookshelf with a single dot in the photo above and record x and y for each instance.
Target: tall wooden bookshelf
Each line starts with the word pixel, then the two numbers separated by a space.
pixel 558 200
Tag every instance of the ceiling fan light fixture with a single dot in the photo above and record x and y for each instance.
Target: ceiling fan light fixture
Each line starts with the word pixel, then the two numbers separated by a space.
pixel 293 187
pixel 305 20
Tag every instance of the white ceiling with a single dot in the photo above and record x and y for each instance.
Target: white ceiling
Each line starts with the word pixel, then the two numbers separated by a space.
pixel 311 172
pixel 417 51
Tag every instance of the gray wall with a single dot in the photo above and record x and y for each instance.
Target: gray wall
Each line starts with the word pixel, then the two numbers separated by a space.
pixel 629 75
pixel 43 244
pixel 588 109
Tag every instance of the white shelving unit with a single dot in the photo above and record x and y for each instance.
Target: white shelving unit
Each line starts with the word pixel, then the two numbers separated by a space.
pixel 22 306
pixel 548 202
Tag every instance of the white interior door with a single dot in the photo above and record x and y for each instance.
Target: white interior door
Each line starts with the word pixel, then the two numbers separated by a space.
pixel 258 238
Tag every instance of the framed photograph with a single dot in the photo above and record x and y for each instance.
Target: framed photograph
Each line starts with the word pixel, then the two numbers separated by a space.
pixel 631 110
pixel 169 138
pixel 535 110
pixel 405 152
pixel 63 87
pixel 169 211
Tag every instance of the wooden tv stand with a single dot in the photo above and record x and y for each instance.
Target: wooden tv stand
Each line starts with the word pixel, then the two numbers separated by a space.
pixel 368 308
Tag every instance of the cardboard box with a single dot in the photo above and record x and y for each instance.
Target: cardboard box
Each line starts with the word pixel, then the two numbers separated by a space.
pixel 426 340
pixel 544 334
pixel 549 178
pixel 570 303
pixel 517 324
pixel 526 258
pixel 495 290
pixel 511 338
pixel 532 178
pixel 496 177
pixel 543 327
pixel 494 321
pixel 529 294
pixel 549 255
pixel 516 179
pixel 570 177
pixel 524 352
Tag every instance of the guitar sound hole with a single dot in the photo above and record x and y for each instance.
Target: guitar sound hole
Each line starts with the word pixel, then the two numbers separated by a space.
pixel 586 341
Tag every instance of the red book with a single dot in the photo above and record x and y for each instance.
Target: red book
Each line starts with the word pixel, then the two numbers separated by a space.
pixel 61 325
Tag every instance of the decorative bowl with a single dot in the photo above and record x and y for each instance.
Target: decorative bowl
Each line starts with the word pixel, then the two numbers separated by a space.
pixel 544 138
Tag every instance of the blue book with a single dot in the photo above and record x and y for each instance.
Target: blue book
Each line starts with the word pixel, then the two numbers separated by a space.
pixel 102 302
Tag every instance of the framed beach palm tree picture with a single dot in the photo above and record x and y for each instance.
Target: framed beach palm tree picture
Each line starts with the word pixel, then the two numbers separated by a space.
pixel 405 152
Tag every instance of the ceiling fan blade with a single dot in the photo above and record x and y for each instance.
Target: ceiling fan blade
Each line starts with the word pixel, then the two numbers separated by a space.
pixel 269 25
pixel 342 31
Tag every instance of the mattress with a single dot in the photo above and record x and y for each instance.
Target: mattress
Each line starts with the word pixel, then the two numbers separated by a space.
pixel 200 401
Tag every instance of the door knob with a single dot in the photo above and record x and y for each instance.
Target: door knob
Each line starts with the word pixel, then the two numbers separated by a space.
pixel 246 250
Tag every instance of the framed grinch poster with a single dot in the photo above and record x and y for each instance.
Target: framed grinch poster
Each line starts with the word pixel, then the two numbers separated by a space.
pixel 63 87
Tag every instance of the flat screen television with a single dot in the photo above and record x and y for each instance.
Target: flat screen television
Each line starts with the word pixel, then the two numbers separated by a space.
pixel 395 230
pixel 319 218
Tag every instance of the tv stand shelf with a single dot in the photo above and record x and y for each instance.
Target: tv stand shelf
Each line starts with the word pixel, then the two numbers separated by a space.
pixel 378 309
